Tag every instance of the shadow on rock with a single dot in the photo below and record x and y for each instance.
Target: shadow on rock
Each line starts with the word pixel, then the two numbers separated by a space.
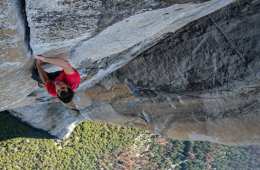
pixel 11 127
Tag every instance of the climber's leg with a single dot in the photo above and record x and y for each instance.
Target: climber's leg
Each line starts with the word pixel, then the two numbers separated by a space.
pixel 35 75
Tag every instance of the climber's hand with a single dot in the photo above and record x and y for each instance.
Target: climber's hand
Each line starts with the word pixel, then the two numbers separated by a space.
pixel 40 57
pixel 39 62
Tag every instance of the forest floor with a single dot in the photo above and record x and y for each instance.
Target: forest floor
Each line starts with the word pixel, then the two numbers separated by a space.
pixel 95 145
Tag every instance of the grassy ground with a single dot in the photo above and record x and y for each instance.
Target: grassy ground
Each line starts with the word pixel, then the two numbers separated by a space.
pixel 100 146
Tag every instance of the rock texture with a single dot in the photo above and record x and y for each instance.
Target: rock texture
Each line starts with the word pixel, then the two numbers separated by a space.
pixel 60 24
pixel 189 71
pixel 15 82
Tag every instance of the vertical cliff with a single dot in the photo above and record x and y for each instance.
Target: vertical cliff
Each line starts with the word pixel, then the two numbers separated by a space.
pixel 15 82
pixel 186 71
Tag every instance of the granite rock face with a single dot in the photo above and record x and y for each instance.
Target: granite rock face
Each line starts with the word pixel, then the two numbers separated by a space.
pixel 186 71
pixel 60 24
pixel 15 81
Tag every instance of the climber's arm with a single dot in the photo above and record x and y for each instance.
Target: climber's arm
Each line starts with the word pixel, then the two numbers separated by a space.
pixel 43 75
pixel 58 61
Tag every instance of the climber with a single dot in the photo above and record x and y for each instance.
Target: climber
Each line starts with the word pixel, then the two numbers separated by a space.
pixel 61 84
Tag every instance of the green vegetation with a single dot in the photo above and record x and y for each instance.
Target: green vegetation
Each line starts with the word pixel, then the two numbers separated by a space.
pixel 179 155
pixel 95 146
pixel 80 151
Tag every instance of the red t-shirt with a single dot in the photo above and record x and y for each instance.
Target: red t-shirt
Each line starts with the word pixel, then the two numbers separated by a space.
pixel 73 80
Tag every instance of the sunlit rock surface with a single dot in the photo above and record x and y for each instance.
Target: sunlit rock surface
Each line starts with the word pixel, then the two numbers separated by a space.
pixel 15 81
pixel 189 71
pixel 61 24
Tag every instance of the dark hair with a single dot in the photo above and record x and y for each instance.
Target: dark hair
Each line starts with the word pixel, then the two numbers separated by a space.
pixel 66 96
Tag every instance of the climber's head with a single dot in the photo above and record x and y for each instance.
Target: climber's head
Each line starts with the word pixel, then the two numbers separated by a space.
pixel 64 92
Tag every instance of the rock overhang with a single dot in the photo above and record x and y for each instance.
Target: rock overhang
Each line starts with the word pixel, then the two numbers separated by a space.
pixel 129 39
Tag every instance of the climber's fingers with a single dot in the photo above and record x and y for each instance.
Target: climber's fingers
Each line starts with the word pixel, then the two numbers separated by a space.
pixel 40 62
pixel 40 57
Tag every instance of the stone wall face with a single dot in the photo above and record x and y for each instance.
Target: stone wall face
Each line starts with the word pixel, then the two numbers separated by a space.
pixel 186 71
pixel 15 82
pixel 60 24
